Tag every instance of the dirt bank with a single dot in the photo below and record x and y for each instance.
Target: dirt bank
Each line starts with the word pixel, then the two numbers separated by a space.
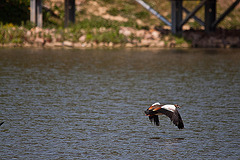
pixel 220 39
pixel 152 38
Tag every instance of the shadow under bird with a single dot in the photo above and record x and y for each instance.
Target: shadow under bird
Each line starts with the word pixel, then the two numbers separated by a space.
pixel 164 109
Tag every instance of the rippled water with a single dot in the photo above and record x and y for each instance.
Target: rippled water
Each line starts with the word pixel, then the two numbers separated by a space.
pixel 88 104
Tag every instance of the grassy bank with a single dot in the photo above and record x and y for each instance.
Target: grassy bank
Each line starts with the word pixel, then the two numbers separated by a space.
pixel 87 34
pixel 110 23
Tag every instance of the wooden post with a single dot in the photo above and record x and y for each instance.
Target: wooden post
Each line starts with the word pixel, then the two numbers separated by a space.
pixel 210 15
pixel 39 13
pixel 36 12
pixel 69 12
pixel 33 11
pixel 176 16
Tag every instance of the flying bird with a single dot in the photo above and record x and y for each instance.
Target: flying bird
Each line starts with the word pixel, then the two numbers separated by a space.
pixel 166 109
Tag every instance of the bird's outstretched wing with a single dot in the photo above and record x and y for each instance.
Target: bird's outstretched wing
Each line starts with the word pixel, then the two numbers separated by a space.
pixel 177 119
pixel 172 114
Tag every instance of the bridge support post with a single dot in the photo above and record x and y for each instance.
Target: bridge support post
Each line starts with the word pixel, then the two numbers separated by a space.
pixel 176 16
pixel 210 15
pixel 36 12
pixel 69 12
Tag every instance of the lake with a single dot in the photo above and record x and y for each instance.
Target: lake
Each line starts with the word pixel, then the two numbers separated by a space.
pixel 89 104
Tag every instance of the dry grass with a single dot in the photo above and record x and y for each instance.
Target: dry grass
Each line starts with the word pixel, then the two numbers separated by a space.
pixel 129 10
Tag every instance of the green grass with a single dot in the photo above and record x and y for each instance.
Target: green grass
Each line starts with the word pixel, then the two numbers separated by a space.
pixel 142 14
pixel 179 40
pixel 96 22
pixel 113 11
pixel 11 34
pixel 97 30
pixel 108 1
pixel 109 36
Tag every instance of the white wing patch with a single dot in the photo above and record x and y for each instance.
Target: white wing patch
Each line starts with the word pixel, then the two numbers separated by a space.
pixel 155 104
pixel 169 107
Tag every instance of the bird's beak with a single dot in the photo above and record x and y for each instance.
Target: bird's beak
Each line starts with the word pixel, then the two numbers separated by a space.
pixel 146 113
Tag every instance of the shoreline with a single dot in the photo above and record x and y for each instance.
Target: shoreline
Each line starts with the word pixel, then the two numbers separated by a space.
pixel 130 38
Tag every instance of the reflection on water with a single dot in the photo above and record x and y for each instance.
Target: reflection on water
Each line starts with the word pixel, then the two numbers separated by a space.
pixel 167 141
pixel 88 104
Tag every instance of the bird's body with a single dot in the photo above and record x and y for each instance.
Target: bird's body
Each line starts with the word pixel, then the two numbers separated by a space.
pixel 168 110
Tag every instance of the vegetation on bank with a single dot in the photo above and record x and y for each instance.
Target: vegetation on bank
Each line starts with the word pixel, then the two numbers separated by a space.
pixel 96 30
pixel 88 33
pixel 98 21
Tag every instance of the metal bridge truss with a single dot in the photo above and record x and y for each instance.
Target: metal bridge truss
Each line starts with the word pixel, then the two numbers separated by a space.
pixel 177 10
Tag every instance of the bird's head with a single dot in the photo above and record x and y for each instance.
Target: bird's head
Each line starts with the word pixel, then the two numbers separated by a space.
pixel 151 108
pixel 177 106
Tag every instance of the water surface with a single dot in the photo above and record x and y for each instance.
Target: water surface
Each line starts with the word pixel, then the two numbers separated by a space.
pixel 88 104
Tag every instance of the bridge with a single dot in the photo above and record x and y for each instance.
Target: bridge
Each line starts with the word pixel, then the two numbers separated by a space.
pixel 210 21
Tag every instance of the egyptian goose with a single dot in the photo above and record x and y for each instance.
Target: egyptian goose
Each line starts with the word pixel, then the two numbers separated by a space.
pixel 166 109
